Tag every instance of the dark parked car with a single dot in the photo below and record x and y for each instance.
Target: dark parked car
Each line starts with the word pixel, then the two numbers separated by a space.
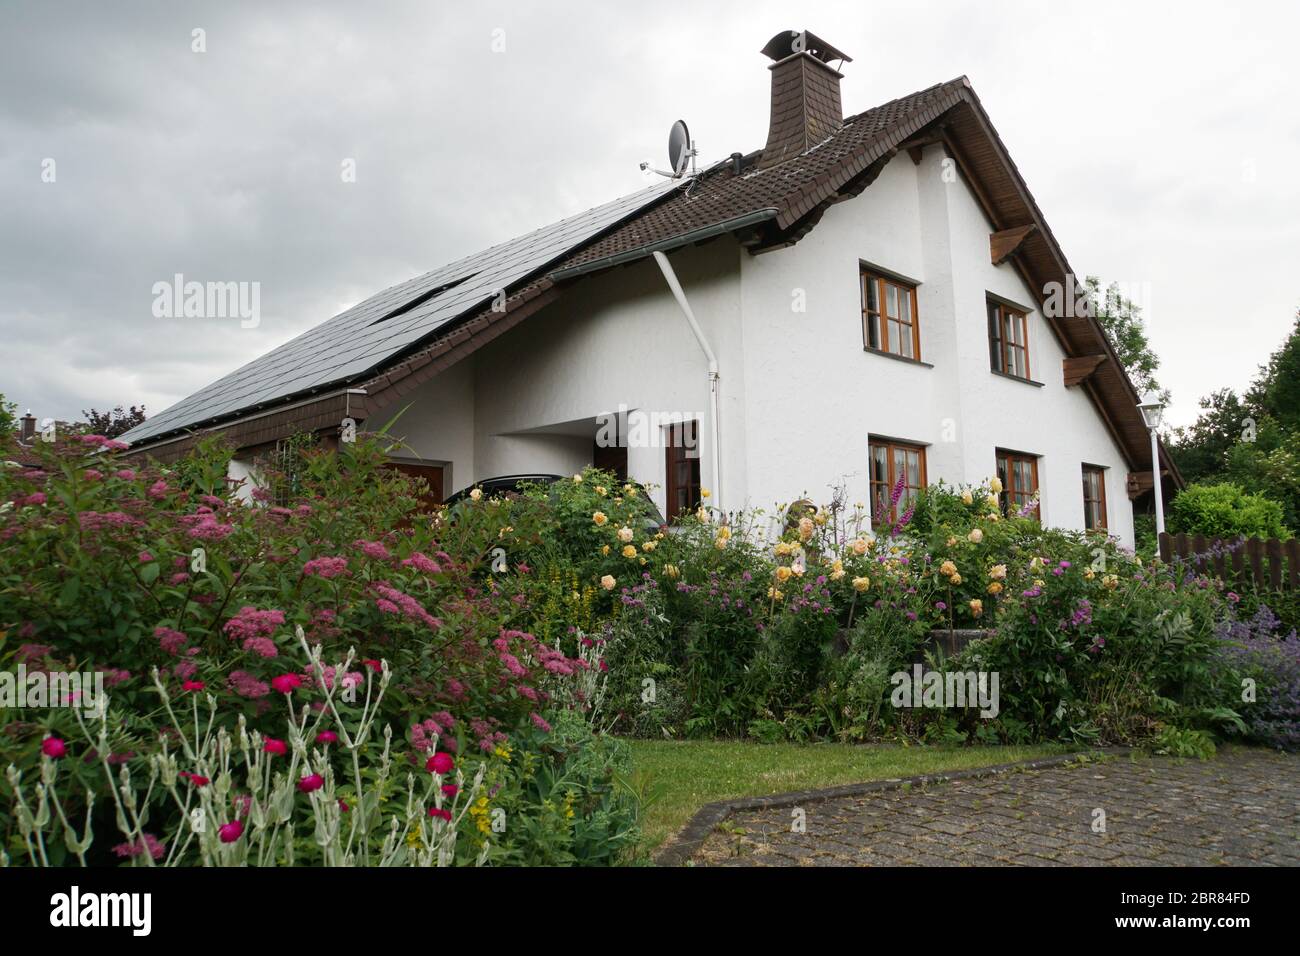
pixel 507 485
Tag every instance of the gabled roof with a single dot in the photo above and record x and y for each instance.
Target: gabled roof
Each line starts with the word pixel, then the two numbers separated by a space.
pixel 765 207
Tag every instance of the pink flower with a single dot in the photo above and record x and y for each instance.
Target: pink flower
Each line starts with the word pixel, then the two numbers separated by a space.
pixel 180 577
pixel 275 748
pixel 326 567
pixel 450 790
pixel 231 832
pixel 173 642
pixel 246 685
pixel 440 763
pixel 157 490
pixel 422 563
pixel 374 665
pixel 145 557
pixel 286 683
pixel 193 685
pixel 372 549
pixel 54 748
pixel 37 498
pixel 126 474
pixel 262 647
pixel 251 622
pixel 147 844
pixel 92 475
pixel 311 782
pixel 539 722
pixel 194 778
pixel 440 814
pixel 327 737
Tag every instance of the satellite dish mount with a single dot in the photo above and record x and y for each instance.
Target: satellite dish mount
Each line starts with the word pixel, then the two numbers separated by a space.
pixel 681 153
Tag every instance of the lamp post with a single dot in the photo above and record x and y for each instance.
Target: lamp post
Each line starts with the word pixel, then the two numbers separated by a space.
pixel 1152 410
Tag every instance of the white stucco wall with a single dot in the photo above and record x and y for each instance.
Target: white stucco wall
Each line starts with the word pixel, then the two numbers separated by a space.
pixel 799 395
pixel 810 428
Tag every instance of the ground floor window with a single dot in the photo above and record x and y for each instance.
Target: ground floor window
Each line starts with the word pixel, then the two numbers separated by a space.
pixel 892 462
pixel 1094 498
pixel 682 468
pixel 1018 473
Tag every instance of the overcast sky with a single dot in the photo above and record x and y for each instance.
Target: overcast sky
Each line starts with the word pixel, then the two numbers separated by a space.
pixel 1161 140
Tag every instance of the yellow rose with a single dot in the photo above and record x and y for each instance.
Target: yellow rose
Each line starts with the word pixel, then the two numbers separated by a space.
pixel 774 594
pixel 629 490
pixel 992 502
pixel 995 587
pixel 976 536
pixel 600 490
pixel 604 549
pixel 861 584
pixel 967 498
pixel 476 494
pixel 976 607
pixel 629 551
pixel 705 493
pixel 952 542
pixel 797 569
pixel 955 580
pixel 783 548
pixel 783 573
pixel 608 582
pixel 998 572
pixel 948 568
pixel 995 485
pixel 805 528
pixel 859 546
pixel 670 571
pixel 625 534
pixel 1089 574
pixel 599 517
pixel 648 546
pixel 720 543
pixel 577 479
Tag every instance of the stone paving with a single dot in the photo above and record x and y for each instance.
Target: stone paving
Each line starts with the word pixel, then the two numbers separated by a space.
pixel 1240 808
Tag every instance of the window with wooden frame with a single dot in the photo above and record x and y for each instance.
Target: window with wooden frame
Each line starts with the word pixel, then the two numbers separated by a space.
pixel 682 485
pixel 889 318
pixel 1018 473
pixel 1094 498
pixel 1008 339
pixel 893 462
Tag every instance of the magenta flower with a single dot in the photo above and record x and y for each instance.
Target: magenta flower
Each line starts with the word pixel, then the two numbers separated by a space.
pixel 231 832
pixel 440 814
pixel 54 748
pixel 310 783
pixel 275 748
pixel 440 763
pixel 286 683
pixel 327 737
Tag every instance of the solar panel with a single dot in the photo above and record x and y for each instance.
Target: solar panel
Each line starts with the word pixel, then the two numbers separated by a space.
pixel 355 341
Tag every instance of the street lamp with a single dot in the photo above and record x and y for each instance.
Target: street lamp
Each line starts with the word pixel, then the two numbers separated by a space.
pixel 1153 410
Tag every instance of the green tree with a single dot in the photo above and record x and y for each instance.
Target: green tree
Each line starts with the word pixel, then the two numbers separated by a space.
pixel 110 424
pixel 1122 320
pixel 1201 449
pixel 8 418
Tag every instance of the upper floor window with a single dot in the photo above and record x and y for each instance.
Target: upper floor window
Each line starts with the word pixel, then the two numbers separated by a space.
pixel 889 319
pixel 1018 473
pixel 1094 498
pixel 894 464
pixel 1008 339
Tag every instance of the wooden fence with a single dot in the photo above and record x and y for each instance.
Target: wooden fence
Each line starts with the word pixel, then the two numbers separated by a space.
pixel 1267 564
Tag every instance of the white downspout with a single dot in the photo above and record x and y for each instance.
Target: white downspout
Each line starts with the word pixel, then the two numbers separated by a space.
pixel 671 278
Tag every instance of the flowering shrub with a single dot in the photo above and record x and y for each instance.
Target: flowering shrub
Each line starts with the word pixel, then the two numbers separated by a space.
pixel 1259 650
pixel 319 796
pixel 126 568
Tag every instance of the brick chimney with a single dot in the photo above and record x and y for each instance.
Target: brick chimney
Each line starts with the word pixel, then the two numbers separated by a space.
pixel 28 427
pixel 805 95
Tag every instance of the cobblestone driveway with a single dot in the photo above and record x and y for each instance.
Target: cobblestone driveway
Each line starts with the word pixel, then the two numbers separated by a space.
pixel 1242 807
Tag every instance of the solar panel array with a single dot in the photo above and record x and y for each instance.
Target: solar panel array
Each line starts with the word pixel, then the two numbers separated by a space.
pixel 361 339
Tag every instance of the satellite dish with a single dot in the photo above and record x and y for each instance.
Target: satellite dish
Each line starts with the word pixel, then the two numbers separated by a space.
pixel 679 147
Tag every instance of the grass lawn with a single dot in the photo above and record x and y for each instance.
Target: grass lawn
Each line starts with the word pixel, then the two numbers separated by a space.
pixel 677 777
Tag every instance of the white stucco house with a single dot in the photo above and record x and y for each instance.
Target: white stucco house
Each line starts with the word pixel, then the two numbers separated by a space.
pixel 861 299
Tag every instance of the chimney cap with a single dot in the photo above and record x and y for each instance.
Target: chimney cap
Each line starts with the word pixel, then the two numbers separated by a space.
pixel 789 42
